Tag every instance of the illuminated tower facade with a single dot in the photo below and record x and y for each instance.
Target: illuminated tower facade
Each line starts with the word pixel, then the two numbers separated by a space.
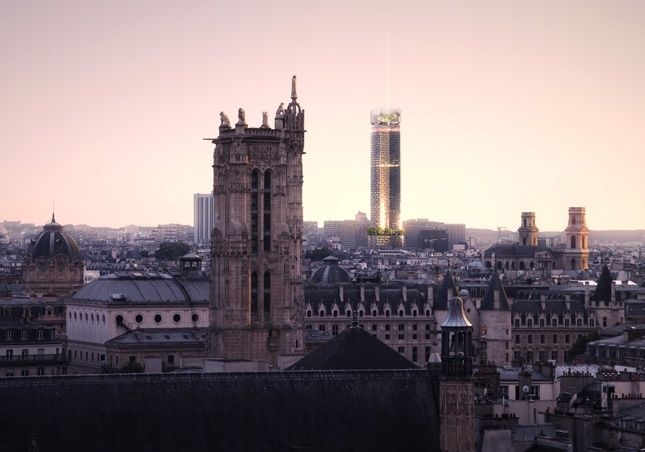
pixel 256 294
pixel 576 254
pixel 386 168
pixel 528 231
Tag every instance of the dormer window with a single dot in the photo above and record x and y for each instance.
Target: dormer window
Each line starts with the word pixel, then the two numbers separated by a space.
pixel 321 313
pixel 387 313
pixel 400 312
pixel 361 313
pixel 374 312
pixel 348 313
pixel 427 312
pixel 308 312
pixel 334 313
pixel 414 313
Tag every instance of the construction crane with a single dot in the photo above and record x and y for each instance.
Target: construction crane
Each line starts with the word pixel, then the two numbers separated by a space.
pixel 499 232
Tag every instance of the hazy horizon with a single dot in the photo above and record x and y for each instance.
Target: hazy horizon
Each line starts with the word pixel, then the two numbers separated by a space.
pixel 506 106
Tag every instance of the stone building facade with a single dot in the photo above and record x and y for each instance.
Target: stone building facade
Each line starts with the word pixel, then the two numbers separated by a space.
pixel 256 296
pixel 545 328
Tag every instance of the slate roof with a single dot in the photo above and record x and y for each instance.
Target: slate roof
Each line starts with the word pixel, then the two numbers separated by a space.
pixel 389 294
pixel 515 250
pixel 442 296
pixel 551 307
pixel 353 349
pixel 488 302
pixel 264 411
pixel 144 288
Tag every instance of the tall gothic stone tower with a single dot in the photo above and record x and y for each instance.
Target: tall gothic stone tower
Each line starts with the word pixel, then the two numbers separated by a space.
pixel 528 231
pixel 256 293
pixel 456 390
pixel 576 254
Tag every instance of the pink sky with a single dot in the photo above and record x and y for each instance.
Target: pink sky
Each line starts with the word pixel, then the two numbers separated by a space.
pixel 506 106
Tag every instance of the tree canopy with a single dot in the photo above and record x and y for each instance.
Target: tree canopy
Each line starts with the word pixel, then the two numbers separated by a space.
pixel 168 251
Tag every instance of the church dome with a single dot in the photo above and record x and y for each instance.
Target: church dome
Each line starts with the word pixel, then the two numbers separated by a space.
pixel 53 241
pixel 330 272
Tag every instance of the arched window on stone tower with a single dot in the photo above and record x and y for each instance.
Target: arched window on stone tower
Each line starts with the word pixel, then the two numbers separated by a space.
pixel 267 211
pixel 254 296
pixel 573 241
pixel 267 296
pixel 255 175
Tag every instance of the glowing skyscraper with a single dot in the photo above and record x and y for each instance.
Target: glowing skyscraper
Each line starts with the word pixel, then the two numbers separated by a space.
pixel 386 168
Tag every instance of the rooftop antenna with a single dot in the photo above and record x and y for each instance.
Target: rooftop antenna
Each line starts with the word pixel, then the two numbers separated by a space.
pixel 53 209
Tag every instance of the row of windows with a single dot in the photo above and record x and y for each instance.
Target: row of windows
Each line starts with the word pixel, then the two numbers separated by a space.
pixel 25 372
pixel 8 335
pixel 361 313
pixel 91 317
pixel 542 338
pixel 25 352
pixel 158 318
pixel 555 322
pixel 542 356
pixel 374 328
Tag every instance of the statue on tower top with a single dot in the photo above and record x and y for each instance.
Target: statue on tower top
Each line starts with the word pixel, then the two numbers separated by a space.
pixel 241 117
pixel 294 95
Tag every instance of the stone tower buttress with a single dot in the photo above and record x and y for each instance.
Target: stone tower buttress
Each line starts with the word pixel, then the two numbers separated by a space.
pixel 256 294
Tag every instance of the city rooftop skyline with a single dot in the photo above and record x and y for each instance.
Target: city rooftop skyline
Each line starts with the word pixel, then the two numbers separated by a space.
pixel 507 106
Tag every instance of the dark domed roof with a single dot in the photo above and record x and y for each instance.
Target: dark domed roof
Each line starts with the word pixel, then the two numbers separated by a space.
pixel 331 272
pixel 53 241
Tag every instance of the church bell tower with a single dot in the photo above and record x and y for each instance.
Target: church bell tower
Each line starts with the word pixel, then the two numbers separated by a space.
pixel 256 294
pixel 576 254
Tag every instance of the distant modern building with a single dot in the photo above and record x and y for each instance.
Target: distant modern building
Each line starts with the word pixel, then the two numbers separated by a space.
pixel 203 205
pixel 386 168
pixel 456 232
pixel 435 240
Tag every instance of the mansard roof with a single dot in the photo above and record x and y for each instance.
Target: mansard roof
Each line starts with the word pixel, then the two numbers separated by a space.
pixel 488 302
pixel 551 307
pixel 389 294
pixel 353 349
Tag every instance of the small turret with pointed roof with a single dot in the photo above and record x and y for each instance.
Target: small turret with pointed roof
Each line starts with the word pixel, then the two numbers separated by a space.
pixel 495 297
pixel 447 290
pixel 456 341
pixel 603 290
